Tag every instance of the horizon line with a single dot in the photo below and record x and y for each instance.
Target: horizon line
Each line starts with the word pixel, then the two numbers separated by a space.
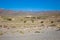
pixel 14 9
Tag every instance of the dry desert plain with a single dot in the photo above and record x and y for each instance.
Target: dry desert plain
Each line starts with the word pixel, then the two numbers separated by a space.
pixel 30 25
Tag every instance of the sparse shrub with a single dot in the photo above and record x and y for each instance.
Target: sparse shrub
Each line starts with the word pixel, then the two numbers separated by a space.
pixel 33 17
pixel 32 21
pixel 52 21
pixel 58 20
pixel 21 32
pixel 38 17
pixel 37 31
pixel 42 21
pixel 21 20
pixel 9 19
pixel 25 21
pixel 0 25
pixel 1 33
pixel 52 25
pixel 42 24
pixel 5 26
pixel 13 26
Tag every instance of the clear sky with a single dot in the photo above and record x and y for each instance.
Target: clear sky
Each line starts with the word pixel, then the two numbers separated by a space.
pixel 30 4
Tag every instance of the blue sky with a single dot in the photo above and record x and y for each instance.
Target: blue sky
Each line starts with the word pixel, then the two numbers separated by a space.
pixel 30 4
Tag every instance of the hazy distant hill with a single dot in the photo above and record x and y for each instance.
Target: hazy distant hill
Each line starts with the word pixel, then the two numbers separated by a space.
pixel 22 13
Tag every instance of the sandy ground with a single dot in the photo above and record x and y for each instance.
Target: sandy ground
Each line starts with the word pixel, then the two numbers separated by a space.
pixel 44 34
